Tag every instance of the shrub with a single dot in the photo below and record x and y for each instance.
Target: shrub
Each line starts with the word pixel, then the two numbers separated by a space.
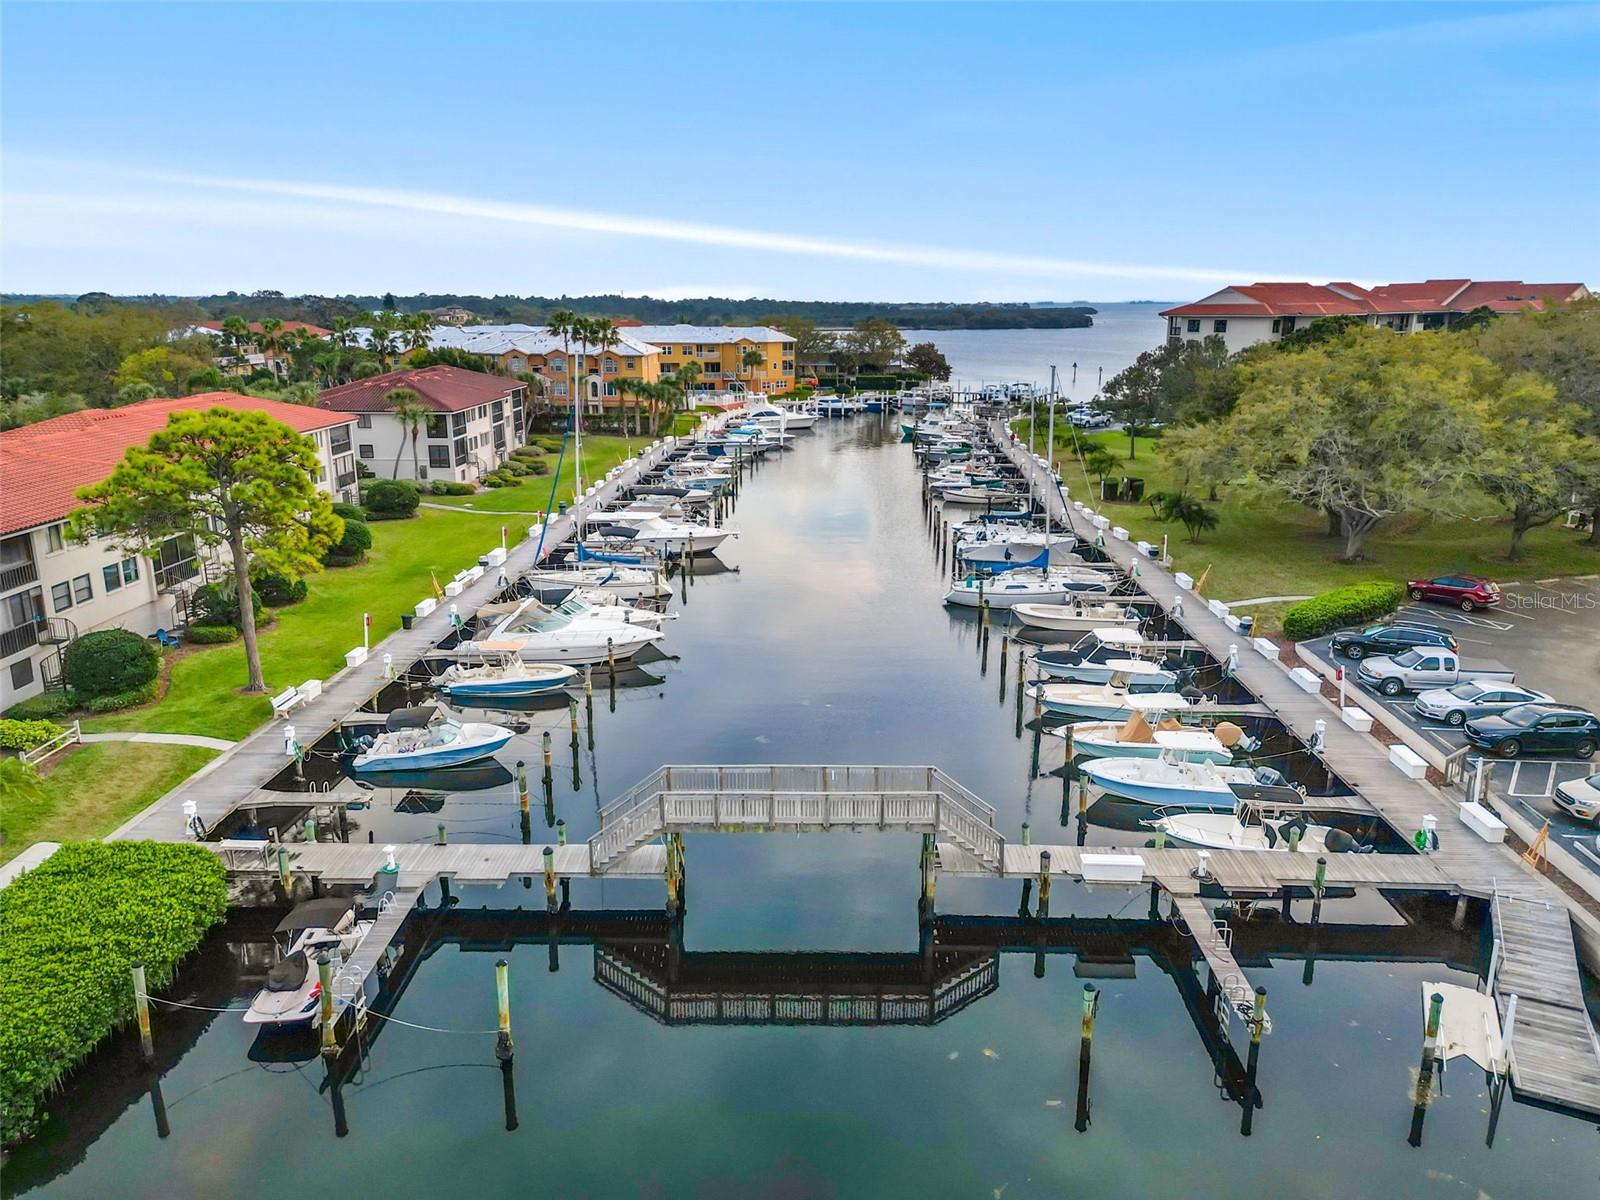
pixel 351 548
pixel 277 589
pixel 551 445
pixel 527 453
pixel 36 708
pixel 539 466
pixel 450 487
pixel 1341 606
pixel 350 512
pixel 25 735
pixel 110 660
pixel 214 604
pixel 392 499
pixel 143 694
pixel 513 466
pixel 70 931
pixel 497 480
pixel 210 635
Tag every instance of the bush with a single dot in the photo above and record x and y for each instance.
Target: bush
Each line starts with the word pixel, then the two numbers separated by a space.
pixel 210 635
pixel 70 931
pixel 539 466
pixel 132 698
pixel 25 735
pixel 392 500
pixel 351 548
pixel 214 604
pixel 1341 606
pixel 497 480
pixel 277 589
pixel 551 445
pixel 38 708
pixel 450 487
pixel 513 466
pixel 527 453
pixel 350 512
pixel 110 660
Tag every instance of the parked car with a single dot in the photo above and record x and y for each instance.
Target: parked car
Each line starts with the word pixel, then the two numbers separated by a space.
pixel 1424 667
pixel 1389 638
pixel 1551 728
pixel 1581 798
pixel 1466 592
pixel 1474 698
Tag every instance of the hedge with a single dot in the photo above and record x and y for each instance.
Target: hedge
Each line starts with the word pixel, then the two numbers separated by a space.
pixel 38 708
pixel 25 735
pixel 110 660
pixel 450 487
pixel 527 453
pixel 210 635
pixel 392 499
pixel 497 480
pixel 112 701
pixel 539 466
pixel 1342 606
pixel 70 931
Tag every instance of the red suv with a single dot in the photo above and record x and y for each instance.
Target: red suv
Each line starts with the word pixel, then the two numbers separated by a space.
pixel 1466 592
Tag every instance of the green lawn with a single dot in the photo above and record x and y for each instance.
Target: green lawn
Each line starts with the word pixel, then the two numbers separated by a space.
pixel 1261 548
pixel 531 495
pixel 95 788
pixel 308 640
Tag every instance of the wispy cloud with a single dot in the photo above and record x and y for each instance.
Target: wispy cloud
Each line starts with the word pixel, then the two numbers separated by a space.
pixel 470 209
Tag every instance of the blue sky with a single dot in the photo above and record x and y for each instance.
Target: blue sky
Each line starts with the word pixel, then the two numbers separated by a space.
pixel 904 151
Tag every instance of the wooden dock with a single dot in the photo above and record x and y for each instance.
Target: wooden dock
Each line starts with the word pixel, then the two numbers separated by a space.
pixel 1565 1060
pixel 363 864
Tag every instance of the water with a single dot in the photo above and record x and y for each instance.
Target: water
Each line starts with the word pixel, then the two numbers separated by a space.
pixel 827 644
pixel 1120 333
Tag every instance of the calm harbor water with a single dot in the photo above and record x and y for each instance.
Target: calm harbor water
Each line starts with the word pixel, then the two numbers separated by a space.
pixel 1120 333
pixel 825 641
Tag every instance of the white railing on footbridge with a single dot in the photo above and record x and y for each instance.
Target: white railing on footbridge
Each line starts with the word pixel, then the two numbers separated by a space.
pixel 795 798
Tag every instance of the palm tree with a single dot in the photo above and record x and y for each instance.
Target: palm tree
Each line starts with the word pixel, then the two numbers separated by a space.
pixel 750 359
pixel 236 336
pixel 415 330
pixel 606 337
pixel 269 340
pixel 304 392
pixel 381 340
pixel 564 324
pixel 406 408
pixel 343 332
pixel 689 379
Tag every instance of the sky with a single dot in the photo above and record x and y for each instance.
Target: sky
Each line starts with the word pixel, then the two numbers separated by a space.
pixel 795 151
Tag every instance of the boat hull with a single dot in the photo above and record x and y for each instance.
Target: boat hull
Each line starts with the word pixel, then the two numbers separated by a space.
pixel 1068 618
pixel 430 759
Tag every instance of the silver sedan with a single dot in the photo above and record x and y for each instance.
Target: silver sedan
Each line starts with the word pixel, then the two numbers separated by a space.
pixel 1473 698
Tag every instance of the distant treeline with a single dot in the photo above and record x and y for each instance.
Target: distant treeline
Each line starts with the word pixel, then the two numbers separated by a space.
pixel 533 310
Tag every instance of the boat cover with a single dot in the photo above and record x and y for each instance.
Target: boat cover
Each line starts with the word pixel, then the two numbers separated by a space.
pixel 419 717
pixel 288 975
pixel 1269 794
pixel 325 913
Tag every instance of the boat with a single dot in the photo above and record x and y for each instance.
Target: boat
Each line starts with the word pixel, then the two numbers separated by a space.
pixel 781 419
pixel 1012 547
pixel 1086 652
pixel 579 644
pixel 508 679
pixel 1264 817
pixel 1173 780
pixel 834 406
pixel 1137 737
pixel 625 583
pixel 1076 615
pixel 419 739
pixel 659 534
pixel 293 996
pixel 1147 675
pixel 1024 586
pixel 1112 701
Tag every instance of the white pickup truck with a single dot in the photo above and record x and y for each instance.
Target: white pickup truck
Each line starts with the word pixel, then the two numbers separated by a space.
pixel 1424 667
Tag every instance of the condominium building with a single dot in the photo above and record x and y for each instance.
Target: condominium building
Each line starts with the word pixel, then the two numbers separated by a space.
pixel 474 421
pixel 1245 314
pixel 566 367
pixel 52 589
pixel 720 350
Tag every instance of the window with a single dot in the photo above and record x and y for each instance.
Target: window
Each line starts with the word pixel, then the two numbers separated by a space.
pixel 22 673
pixel 1277 324
pixel 60 597
pixel 628 364
pixel 339 440
pixel 364 421
pixel 1194 324
pixel 130 569
pixel 364 450
pixel 461 451
pixel 82 589
pixel 498 408
pixel 557 365
pixel 609 366
pixel 55 539
pixel 611 389
pixel 561 389
pixel 438 427
pixel 458 423
pixel 111 575
pixel 438 456
pixel 1220 325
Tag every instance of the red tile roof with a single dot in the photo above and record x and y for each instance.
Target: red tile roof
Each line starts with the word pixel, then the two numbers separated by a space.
pixel 1511 295
pixel 1333 299
pixel 441 388
pixel 44 464
pixel 288 327
pixel 1274 300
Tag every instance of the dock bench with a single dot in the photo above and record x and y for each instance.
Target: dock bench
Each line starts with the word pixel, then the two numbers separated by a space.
pixel 286 700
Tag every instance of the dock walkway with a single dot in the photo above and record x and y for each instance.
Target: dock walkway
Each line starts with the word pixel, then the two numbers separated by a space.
pixel 1566 1057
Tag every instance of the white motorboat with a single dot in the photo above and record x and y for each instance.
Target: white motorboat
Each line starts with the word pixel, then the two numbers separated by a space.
pixel 292 997
pixel 510 678
pixel 419 739
pixel 1173 780
pixel 1077 615
pixel 1003 545
pixel 680 536
pixel 625 583
pixel 1113 701
pixel 583 607
pixel 1112 669
pixel 783 420
pixel 1138 737
pixel 1025 586
pixel 1247 831
pixel 577 645
pixel 1088 653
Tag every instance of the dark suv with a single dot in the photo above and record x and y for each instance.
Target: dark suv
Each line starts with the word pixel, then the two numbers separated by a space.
pixel 1389 639
pixel 1551 728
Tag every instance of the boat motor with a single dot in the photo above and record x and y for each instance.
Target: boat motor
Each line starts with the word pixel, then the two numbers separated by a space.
pixel 1339 842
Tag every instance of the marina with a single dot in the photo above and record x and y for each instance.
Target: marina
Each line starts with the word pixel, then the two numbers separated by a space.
pixel 602 832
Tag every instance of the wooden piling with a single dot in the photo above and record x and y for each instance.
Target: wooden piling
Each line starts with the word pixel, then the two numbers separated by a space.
pixel 1091 1005
pixel 503 1049
pixel 329 1030
pixel 1044 883
pixel 1430 1053
pixel 522 786
pixel 550 878
pixel 141 1007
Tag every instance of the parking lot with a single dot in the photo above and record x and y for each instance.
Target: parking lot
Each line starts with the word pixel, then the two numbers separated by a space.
pixel 1549 633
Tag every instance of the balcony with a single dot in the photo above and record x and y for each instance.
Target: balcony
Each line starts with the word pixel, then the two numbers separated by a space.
pixel 340 443
pixel 14 574
pixel 18 639
pixel 346 479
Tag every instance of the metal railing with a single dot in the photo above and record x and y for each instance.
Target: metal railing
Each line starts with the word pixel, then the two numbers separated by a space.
pixel 16 574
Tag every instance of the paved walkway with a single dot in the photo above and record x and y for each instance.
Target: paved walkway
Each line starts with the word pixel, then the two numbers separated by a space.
pixel 161 739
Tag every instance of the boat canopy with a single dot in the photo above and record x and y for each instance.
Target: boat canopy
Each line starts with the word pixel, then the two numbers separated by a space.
pixel 1117 636
pixel 1155 702
pixel 418 717
pixel 1191 741
pixel 325 913
pixel 1268 795
pixel 1133 666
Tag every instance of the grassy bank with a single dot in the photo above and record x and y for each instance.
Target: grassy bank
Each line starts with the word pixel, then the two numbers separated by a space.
pixel 94 788
pixel 532 493
pixel 1266 548
pixel 308 640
